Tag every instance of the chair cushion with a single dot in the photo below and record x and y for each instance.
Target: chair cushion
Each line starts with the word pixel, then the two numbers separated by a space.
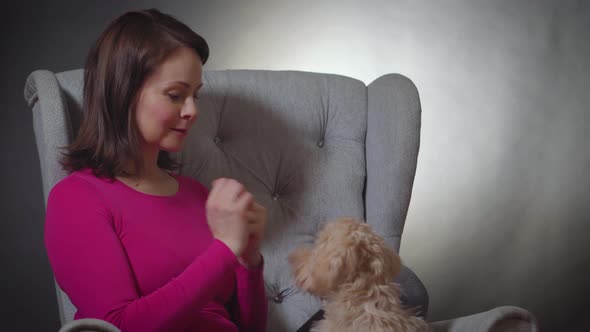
pixel 296 141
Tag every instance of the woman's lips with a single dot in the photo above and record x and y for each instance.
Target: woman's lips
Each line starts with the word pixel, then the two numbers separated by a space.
pixel 179 131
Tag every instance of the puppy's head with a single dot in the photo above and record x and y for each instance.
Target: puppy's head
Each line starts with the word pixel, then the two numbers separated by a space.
pixel 345 251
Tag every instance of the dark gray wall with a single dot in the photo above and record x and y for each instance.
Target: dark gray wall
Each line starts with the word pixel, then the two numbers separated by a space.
pixel 500 207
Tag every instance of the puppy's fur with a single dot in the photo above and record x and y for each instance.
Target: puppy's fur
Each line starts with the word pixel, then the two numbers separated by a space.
pixel 352 269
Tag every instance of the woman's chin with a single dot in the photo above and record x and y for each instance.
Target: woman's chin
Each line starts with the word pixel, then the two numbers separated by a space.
pixel 172 147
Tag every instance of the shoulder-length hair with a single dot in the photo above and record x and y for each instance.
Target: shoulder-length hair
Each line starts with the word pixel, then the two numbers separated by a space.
pixel 119 62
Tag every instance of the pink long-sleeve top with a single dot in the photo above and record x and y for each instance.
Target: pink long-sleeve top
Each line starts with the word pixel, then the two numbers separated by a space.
pixel 146 262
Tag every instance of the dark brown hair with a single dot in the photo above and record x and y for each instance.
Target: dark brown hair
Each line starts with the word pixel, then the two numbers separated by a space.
pixel 121 59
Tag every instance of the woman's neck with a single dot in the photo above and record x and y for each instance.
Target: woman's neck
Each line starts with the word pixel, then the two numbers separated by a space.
pixel 150 171
pixel 152 180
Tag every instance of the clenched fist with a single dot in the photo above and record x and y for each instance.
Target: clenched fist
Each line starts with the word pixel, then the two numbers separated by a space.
pixel 236 219
pixel 227 213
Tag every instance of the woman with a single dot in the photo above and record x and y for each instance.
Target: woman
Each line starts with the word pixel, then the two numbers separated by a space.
pixel 129 241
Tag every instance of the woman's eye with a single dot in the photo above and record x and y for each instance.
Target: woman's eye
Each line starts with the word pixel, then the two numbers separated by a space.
pixel 175 97
pixel 196 97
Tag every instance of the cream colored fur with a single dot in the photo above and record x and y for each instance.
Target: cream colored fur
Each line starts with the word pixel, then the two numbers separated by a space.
pixel 352 269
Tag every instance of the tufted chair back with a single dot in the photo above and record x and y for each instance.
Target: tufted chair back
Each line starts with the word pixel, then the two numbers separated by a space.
pixel 309 146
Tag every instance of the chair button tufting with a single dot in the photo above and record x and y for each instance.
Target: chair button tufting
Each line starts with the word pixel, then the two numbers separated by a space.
pixel 321 143
pixel 275 196
pixel 278 298
pixel 216 139
pixel 283 294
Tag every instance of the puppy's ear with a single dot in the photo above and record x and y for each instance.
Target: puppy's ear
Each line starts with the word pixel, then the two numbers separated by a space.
pixel 301 266
pixel 336 264
pixel 331 270
pixel 385 263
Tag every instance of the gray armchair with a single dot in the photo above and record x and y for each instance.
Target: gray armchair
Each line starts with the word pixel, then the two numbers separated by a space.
pixel 309 146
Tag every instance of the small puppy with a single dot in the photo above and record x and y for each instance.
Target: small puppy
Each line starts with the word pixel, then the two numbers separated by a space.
pixel 352 269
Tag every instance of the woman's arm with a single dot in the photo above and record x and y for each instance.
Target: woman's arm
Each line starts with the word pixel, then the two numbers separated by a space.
pixel 90 265
pixel 249 307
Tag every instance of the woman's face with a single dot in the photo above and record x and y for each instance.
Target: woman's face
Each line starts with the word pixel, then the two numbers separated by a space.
pixel 167 105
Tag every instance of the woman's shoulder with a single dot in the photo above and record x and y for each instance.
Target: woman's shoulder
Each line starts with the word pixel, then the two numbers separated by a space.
pixel 193 185
pixel 80 183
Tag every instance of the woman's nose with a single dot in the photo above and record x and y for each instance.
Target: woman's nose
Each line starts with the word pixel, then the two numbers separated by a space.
pixel 190 110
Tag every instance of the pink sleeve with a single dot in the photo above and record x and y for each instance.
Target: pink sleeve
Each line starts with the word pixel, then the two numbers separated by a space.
pixel 90 265
pixel 250 306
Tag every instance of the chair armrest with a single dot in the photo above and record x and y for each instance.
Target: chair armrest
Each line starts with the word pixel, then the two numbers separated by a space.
pixel 414 293
pixel 500 319
pixel 89 325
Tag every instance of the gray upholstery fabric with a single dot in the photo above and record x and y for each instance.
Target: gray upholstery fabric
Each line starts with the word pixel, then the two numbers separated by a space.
pixel 393 138
pixel 500 319
pixel 296 140
pixel 53 130
pixel 89 325
pixel 414 294
pixel 309 146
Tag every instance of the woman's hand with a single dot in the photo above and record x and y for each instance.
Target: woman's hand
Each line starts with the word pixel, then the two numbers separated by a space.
pixel 228 214
pixel 257 223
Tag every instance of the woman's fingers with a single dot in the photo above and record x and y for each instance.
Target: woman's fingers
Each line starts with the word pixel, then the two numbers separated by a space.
pixel 244 201
pixel 233 190
pixel 252 217
pixel 215 188
pixel 257 207
pixel 230 195
pixel 225 192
